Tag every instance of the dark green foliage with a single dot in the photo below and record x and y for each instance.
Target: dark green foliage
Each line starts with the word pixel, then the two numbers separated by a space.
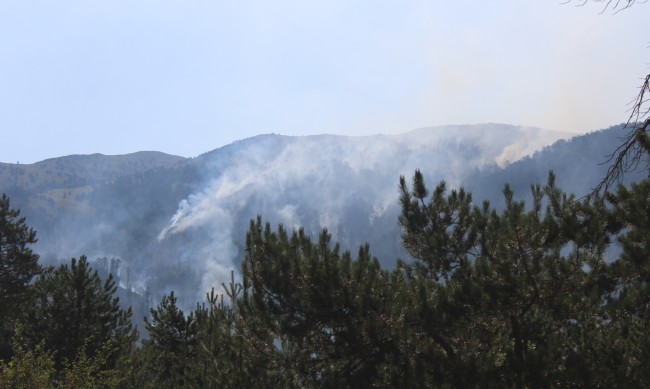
pixel 18 266
pixel 439 231
pixel 629 297
pixel 73 311
pixel 527 295
pixel 32 369
pixel 171 348
pixel 524 297
pixel 225 358
pixel 320 317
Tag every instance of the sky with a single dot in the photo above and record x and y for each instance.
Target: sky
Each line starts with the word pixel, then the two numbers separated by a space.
pixel 188 76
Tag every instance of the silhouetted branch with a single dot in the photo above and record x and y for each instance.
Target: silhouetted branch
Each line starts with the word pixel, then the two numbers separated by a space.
pixel 634 150
pixel 614 5
pixel 629 155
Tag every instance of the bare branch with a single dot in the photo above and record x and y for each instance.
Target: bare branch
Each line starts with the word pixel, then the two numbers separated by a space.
pixel 629 155
pixel 614 5
pixel 634 151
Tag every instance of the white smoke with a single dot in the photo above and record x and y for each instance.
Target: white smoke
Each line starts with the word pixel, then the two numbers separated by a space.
pixel 344 184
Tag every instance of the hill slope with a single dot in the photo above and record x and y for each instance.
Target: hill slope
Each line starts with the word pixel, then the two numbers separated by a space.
pixel 180 226
pixel 80 170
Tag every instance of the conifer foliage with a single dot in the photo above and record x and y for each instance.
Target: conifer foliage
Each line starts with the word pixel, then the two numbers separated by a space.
pixel 324 318
pixel 171 346
pixel 510 290
pixel 553 293
pixel 18 266
pixel 73 312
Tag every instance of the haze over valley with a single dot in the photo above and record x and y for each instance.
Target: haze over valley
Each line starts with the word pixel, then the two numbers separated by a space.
pixel 179 224
pixel 422 194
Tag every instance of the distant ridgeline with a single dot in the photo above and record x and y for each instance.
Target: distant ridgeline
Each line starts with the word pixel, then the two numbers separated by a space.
pixel 179 224
pixel 550 293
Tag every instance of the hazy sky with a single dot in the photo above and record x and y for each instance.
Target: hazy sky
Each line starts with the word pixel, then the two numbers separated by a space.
pixel 188 76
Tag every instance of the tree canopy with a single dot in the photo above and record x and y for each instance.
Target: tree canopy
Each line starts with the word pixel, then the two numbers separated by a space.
pixel 18 266
pixel 550 293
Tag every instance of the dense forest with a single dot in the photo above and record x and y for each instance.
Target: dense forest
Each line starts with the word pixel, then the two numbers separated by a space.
pixel 549 293
pixel 180 224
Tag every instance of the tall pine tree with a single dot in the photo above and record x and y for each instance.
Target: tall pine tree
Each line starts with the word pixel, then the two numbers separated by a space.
pixel 74 311
pixel 18 266
pixel 171 349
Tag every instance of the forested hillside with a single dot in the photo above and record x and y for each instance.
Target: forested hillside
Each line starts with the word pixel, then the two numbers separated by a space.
pixel 80 170
pixel 59 191
pixel 181 223
pixel 519 295
pixel 581 163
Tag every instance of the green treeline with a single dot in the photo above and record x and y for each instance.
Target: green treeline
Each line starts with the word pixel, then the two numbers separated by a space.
pixel 554 293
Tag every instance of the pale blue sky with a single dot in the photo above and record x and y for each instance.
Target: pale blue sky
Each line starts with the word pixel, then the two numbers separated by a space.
pixel 188 76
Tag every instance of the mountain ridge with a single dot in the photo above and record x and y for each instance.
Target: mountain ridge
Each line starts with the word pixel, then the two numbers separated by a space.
pixel 81 169
pixel 181 227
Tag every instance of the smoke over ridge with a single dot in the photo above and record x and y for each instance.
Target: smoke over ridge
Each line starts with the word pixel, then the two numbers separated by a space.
pixel 345 184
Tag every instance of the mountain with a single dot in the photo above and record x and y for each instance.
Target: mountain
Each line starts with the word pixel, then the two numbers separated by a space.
pixel 49 188
pixel 179 224
pixel 580 163
pixel 80 170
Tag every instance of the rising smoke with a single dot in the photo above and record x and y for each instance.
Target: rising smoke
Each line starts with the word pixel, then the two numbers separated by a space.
pixel 345 184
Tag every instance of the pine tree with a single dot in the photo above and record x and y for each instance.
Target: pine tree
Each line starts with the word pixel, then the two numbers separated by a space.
pixel 512 298
pixel 32 369
pixel 628 352
pixel 74 311
pixel 18 266
pixel 171 348
pixel 317 316
pixel 224 356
